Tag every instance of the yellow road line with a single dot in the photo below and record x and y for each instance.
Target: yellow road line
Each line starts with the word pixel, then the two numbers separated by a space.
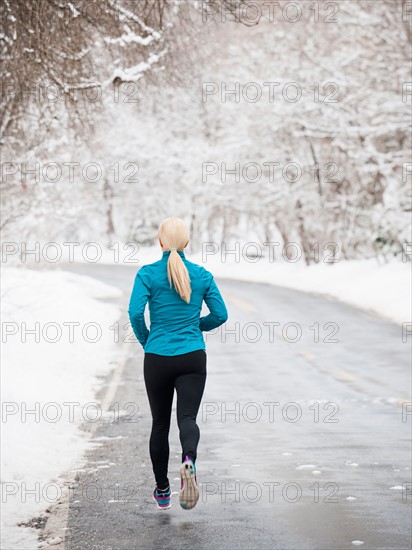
pixel 240 303
pixel 342 375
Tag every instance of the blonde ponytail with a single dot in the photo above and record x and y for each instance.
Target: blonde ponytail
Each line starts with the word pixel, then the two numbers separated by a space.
pixel 174 236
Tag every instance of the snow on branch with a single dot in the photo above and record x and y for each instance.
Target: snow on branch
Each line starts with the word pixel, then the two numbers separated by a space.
pixel 124 14
pixel 131 37
pixel 133 74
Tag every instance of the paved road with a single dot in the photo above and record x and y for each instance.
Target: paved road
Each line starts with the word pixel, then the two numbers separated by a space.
pixel 302 443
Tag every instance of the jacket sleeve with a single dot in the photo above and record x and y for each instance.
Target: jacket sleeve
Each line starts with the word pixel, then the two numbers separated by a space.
pixel 214 301
pixel 137 305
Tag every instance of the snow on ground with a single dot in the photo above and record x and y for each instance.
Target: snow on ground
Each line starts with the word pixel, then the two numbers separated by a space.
pixel 40 447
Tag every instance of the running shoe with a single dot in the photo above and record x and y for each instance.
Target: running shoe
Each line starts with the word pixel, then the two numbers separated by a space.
pixel 162 499
pixel 189 493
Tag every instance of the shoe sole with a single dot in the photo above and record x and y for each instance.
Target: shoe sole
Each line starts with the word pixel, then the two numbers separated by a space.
pixel 161 507
pixel 189 495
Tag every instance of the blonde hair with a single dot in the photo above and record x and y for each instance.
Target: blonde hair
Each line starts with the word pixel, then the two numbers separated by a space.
pixel 174 235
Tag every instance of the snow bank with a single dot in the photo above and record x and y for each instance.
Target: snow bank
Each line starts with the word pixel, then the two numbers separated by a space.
pixel 41 448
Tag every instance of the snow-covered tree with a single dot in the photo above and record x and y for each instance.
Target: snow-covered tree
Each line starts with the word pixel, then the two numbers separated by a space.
pixel 320 157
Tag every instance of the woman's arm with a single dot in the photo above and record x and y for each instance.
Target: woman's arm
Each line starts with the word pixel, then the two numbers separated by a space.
pixel 137 305
pixel 214 301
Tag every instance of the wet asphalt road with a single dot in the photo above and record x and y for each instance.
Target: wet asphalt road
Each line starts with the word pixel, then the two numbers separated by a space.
pixel 303 443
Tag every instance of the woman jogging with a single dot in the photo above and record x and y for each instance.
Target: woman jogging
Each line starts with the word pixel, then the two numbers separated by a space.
pixel 175 355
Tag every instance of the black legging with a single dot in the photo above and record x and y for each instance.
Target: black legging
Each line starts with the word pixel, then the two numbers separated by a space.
pixel 162 374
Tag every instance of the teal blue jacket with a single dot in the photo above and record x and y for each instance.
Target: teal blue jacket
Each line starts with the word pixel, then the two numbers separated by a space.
pixel 175 326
